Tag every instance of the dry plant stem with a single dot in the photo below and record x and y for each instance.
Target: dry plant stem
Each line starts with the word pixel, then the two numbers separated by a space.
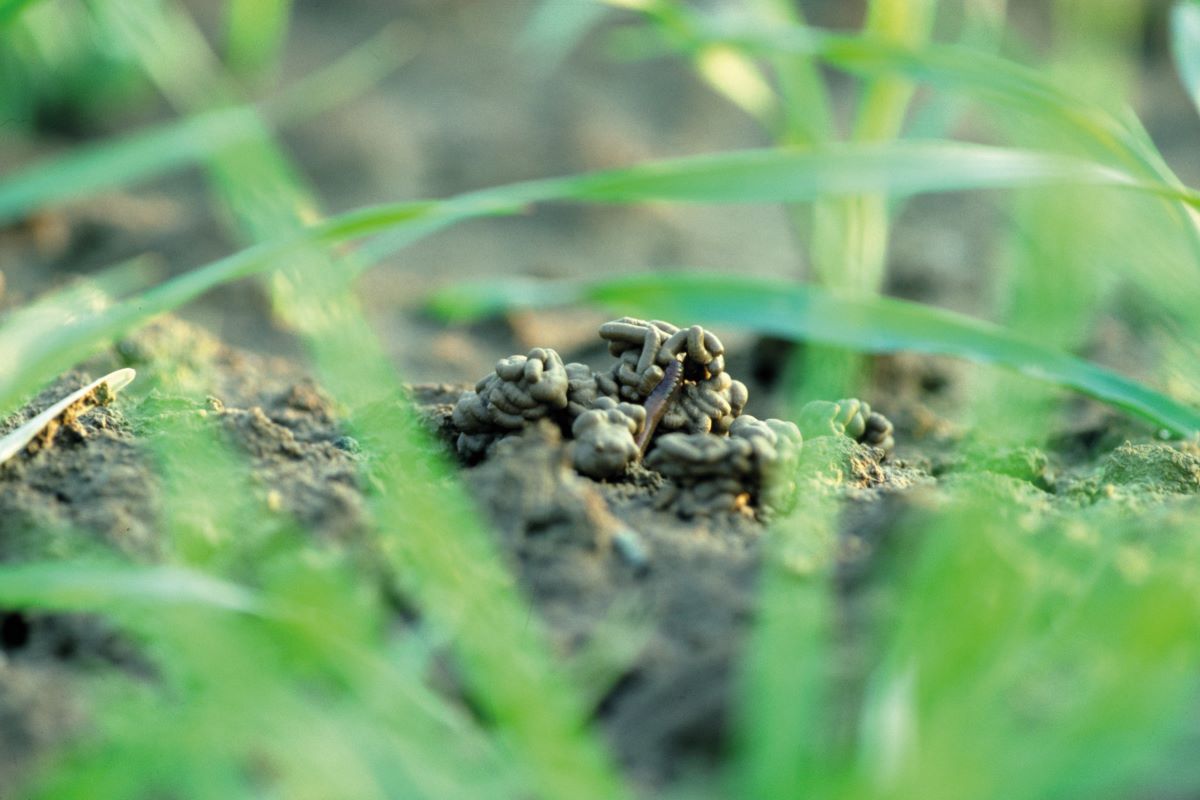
pixel 79 402
pixel 659 400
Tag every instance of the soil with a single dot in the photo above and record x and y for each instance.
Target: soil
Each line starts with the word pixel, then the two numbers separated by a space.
pixel 595 557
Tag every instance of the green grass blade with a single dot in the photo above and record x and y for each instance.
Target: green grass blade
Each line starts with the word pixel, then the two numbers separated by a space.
pixel 247 660
pixel 1185 46
pixel 783 176
pixel 851 249
pixel 874 325
pixel 347 77
pixel 255 34
pixel 747 176
pixel 317 614
pixel 885 98
pixel 805 106
pixel 555 29
pixel 759 176
pixel 984 76
pixel 1110 137
pixel 121 162
pixel 778 176
pixel 988 621
pixel 755 176
pixel 989 78
pixel 792 748
pixel 741 176
pixel 728 71
pixel 145 154
pixel 524 697
pixel 11 9
pixel 84 586
pixel 78 327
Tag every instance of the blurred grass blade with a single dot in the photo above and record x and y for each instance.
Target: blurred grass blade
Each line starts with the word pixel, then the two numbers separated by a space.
pixel 1112 137
pixel 988 621
pixel 86 586
pixel 11 9
pixel 885 98
pixel 430 748
pixel 760 176
pixel 982 31
pixel 120 162
pixel 792 748
pixel 755 176
pixel 807 118
pixel 747 176
pixel 1185 46
pixel 769 176
pixel 556 28
pixel 875 325
pixel 987 77
pixel 850 249
pixel 780 176
pixel 347 77
pixel 729 71
pixel 34 350
pixel 524 698
pixel 132 158
pixel 732 73
pixel 255 34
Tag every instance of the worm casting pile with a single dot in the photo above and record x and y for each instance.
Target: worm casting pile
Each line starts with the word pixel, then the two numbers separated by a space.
pixel 666 402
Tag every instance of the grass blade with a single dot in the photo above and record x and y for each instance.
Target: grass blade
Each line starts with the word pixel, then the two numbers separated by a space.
pixel 229 659
pixel 145 154
pixel 874 325
pixel 11 9
pixel 807 118
pixel 989 78
pixel 555 29
pixel 343 79
pixel 120 162
pixel 525 698
pixel 792 748
pixel 778 176
pixel 885 98
pixel 84 586
pixel 753 176
pixel 986 618
pixel 744 176
pixel 256 30
pixel 1112 137
pixel 1185 46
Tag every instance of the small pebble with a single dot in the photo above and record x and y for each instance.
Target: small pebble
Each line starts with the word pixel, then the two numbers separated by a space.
pixel 632 550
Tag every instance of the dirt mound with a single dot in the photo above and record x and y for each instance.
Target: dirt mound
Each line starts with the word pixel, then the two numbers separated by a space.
pixel 653 607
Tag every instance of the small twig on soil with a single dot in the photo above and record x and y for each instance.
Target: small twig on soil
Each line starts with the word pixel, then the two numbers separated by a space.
pixel 43 426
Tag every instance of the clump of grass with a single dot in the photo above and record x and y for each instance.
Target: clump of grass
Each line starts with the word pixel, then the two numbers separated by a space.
pixel 57 70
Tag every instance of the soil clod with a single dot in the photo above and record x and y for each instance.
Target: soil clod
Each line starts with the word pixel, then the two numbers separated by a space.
pixel 668 398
